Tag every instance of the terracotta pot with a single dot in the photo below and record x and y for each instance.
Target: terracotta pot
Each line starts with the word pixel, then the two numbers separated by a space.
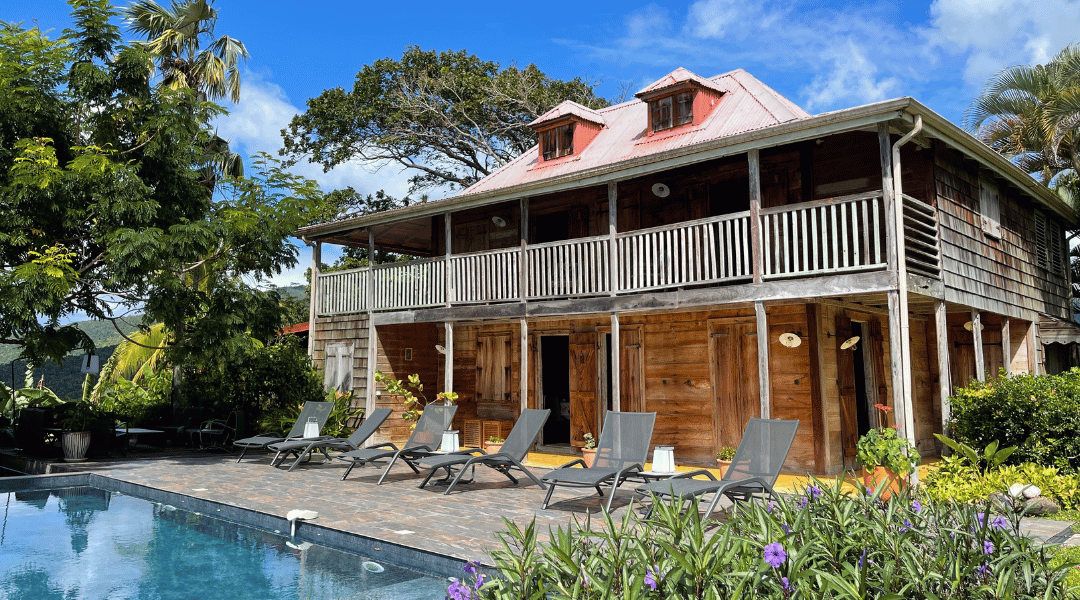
pixel 589 456
pixel 75 444
pixel 882 476
pixel 722 466
pixel 492 447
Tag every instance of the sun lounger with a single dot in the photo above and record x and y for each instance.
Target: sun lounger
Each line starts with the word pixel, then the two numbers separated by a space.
pixel 319 410
pixel 425 440
pixel 304 447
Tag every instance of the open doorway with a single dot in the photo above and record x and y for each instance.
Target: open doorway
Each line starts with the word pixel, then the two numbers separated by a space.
pixel 862 401
pixel 555 388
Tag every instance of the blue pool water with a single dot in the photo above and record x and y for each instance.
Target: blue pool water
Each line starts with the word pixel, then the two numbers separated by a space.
pixel 90 544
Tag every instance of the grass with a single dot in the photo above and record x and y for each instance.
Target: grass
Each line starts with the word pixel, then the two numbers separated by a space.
pixel 1070 554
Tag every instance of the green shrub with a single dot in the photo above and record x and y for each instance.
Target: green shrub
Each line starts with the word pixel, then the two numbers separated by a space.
pixel 145 403
pixel 954 478
pixel 337 424
pixel 823 544
pixel 1040 415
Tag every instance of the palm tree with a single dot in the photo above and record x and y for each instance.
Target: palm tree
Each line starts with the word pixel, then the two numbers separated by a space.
pixel 174 37
pixel 1031 114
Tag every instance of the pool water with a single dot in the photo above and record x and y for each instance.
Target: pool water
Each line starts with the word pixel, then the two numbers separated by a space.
pixel 87 543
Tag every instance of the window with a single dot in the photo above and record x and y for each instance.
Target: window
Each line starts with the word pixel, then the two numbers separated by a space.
pixel 990 207
pixel 337 373
pixel 1049 249
pixel 672 111
pixel 558 141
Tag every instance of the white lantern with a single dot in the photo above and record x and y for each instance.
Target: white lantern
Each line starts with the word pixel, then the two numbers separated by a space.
pixel 450 441
pixel 663 459
pixel 311 428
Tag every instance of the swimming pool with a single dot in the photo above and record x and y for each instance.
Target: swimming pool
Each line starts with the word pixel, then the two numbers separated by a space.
pixel 88 543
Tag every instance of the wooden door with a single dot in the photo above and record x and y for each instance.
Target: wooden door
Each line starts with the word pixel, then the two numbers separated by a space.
pixel 493 378
pixel 632 371
pixel 583 396
pixel 845 381
pixel 734 361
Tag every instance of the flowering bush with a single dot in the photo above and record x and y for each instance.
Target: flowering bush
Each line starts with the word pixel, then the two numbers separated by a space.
pixel 883 447
pixel 821 544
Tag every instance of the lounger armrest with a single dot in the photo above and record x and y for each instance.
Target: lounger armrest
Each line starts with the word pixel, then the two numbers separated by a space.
pixel 387 445
pixel 576 461
pixel 692 474
pixel 470 451
pixel 628 470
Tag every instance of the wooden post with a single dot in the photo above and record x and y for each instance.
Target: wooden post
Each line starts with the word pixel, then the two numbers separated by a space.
pixel 373 334
pixel 448 375
pixel 616 366
pixel 764 384
pixel 941 327
pixel 523 255
pixel 613 242
pixel 976 334
pixel 524 365
pixel 1029 340
pixel 313 311
pixel 1006 345
pixel 448 278
pixel 756 243
pixel 891 230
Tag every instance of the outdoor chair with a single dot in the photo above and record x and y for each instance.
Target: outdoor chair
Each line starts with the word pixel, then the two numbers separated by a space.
pixel 319 410
pixel 624 444
pixel 216 433
pixel 424 441
pixel 304 447
pixel 513 451
pixel 761 454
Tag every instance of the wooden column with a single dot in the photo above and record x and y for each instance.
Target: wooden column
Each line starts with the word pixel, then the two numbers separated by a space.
pixel 524 366
pixel 764 384
pixel 817 408
pixel 448 279
pixel 756 242
pixel 1006 345
pixel 941 328
pixel 976 334
pixel 891 231
pixel 1030 339
pixel 523 254
pixel 316 260
pixel 373 334
pixel 448 374
pixel 613 242
pixel 616 366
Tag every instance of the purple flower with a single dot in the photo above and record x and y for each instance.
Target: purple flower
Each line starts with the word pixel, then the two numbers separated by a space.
pixel 470 567
pixel 999 522
pixel 916 506
pixel 784 582
pixel 862 559
pixel 771 506
pixel 802 502
pixel 479 581
pixel 458 591
pixel 653 576
pixel 907 526
pixel 785 528
pixel 984 569
pixel 815 492
pixel 988 547
pixel 775 555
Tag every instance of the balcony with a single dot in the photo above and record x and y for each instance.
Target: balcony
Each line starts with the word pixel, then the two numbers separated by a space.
pixel 834 236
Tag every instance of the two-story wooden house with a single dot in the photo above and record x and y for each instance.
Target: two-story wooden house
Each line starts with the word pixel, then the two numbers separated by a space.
pixel 711 252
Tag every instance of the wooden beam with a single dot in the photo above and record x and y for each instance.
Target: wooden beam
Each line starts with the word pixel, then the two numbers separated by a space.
pixel 613 242
pixel 523 253
pixel 523 377
pixel 616 366
pixel 448 279
pixel 817 408
pixel 316 260
pixel 372 330
pixel 941 329
pixel 448 374
pixel 891 231
pixel 895 366
pixel 756 244
pixel 1006 345
pixel 976 334
pixel 1030 338
pixel 764 384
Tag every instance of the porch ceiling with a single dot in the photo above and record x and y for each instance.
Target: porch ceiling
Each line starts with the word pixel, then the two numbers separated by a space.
pixel 413 237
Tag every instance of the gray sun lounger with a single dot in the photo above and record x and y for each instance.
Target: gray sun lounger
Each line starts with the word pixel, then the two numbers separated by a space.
pixel 624 444
pixel 319 410
pixel 425 439
pixel 304 447
pixel 764 447
pixel 513 451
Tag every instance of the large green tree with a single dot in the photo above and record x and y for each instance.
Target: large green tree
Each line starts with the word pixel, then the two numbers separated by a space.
pixel 448 117
pixel 104 210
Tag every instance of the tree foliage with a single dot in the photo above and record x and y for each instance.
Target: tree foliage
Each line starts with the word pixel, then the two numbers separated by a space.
pixel 105 209
pixel 448 117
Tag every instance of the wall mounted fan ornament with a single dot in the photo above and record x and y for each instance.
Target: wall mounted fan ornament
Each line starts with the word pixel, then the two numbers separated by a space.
pixel 791 340
pixel 661 190
pixel 498 221
pixel 850 342
pixel 970 326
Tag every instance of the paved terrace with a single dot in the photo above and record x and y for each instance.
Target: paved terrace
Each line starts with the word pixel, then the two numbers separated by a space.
pixel 462 524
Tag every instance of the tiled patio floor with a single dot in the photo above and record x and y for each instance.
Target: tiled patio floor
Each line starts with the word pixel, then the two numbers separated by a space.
pixel 462 524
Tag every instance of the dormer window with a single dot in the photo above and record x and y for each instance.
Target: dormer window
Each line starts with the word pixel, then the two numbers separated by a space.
pixel 557 141
pixel 672 111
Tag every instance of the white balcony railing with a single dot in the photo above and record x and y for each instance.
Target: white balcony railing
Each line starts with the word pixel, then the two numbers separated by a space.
pixel 802 240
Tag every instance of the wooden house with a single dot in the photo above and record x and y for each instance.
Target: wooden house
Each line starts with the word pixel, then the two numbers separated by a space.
pixel 711 252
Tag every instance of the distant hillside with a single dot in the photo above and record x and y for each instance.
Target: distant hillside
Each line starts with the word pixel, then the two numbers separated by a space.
pixel 102 332
pixel 66 380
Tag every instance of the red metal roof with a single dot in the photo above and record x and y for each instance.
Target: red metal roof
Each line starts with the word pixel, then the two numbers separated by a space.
pixel 746 105
pixel 569 108
pixel 678 76
pixel 297 328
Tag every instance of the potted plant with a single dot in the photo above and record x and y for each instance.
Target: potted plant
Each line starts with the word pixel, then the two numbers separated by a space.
pixel 723 459
pixel 493 444
pixel 76 436
pixel 887 458
pixel 588 453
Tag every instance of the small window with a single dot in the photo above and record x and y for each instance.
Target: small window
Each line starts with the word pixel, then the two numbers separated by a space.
pixel 990 207
pixel 684 108
pixel 1049 246
pixel 661 114
pixel 558 141
pixel 672 111
pixel 337 373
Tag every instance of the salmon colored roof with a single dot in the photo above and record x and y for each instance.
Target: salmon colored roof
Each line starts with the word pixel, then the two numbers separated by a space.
pixel 569 108
pixel 676 77
pixel 746 105
pixel 297 328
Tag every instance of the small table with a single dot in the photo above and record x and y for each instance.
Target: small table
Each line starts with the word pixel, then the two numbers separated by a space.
pixel 135 431
pixel 656 475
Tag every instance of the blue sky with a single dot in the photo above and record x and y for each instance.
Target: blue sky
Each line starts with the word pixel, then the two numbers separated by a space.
pixel 822 55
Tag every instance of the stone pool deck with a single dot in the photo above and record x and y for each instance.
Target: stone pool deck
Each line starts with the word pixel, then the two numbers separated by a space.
pixel 461 525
